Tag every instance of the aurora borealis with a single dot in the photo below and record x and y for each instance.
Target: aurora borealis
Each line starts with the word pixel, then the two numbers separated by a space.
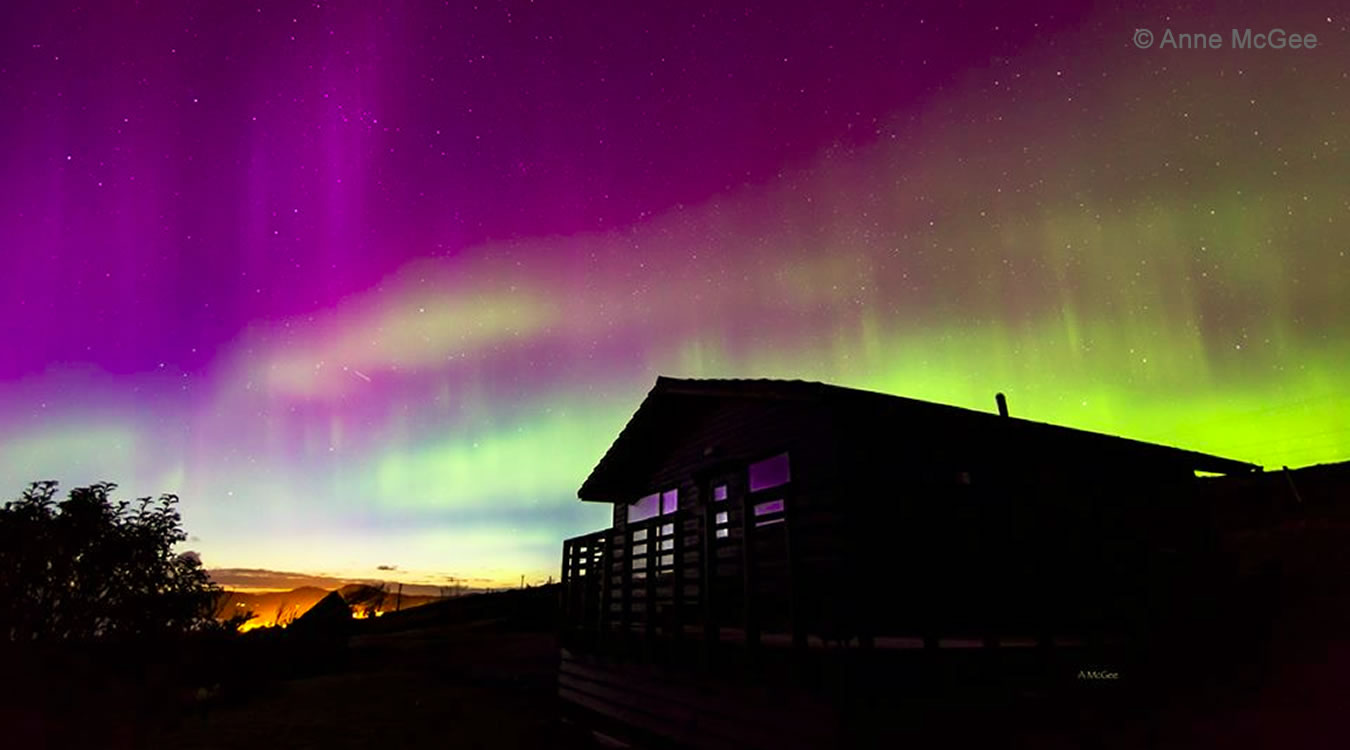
pixel 376 286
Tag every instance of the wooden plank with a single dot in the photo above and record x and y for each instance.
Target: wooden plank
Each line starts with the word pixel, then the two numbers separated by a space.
pixel 623 540
pixel 705 569
pixel 622 694
pixel 701 712
pixel 606 586
pixel 677 583
pixel 748 591
pixel 627 716
pixel 649 611
pixel 697 726
pixel 795 618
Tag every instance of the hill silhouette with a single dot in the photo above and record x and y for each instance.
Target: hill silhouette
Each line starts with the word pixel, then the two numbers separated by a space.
pixel 282 607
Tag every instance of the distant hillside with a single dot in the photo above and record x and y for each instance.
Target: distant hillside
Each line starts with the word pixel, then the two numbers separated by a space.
pixel 367 600
pixel 269 607
pixel 265 580
pixel 529 609
pixel 273 607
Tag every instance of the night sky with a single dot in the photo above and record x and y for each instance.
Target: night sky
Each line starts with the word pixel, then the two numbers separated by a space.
pixel 378 286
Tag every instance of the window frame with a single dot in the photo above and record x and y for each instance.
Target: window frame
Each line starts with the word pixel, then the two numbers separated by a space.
pixel 750 487
pixel 661 499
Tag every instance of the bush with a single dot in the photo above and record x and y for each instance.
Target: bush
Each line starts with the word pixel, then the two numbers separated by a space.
pixel 89 567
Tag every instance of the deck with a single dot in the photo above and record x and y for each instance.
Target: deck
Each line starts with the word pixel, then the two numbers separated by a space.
pixel 728 654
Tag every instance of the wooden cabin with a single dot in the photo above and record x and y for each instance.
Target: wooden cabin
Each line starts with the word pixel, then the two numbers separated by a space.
pixel 799 564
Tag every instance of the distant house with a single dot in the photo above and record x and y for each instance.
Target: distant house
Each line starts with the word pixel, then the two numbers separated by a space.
pixel 766 528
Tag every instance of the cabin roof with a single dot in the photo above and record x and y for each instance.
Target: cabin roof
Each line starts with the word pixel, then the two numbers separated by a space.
pixel 671 400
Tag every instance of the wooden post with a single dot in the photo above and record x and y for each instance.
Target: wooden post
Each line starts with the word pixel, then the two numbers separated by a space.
pixel 626 539
pixel 606 561
pixel 583 600
pixel 676 636
pixel 749 618
pixel 708 576
pixel 566 585
pixel 649 607
pixel 794 568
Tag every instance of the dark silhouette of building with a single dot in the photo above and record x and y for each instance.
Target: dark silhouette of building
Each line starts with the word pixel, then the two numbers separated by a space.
pixel 798 564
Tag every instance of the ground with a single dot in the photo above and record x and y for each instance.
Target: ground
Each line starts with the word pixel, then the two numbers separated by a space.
pixel 468 685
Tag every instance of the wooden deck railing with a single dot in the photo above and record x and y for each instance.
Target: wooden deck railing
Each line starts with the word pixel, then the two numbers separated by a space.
pixel 686 575
pixel 689 580
pixel 646 579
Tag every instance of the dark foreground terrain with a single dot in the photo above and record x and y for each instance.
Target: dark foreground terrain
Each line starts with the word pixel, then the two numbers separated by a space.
pixel 476 672
pixel 481 672
pixel 465 685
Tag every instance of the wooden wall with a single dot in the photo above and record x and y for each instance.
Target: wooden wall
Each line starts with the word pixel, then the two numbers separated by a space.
pixel 893 526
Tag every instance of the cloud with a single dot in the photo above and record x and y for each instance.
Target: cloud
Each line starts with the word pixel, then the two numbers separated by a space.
pixel 259 579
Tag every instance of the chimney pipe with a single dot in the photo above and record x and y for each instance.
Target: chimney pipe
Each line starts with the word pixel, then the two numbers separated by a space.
pixel 1002 404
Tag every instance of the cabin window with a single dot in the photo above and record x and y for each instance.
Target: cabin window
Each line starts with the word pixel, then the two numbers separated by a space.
pixel 667 529
pixel 653 505
pixel 646 507
pixel 720 524
pixel 771 472
pixel 719 493
pixel 667 544
pixel 773 506
pixel 640 535
pixel 670 502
